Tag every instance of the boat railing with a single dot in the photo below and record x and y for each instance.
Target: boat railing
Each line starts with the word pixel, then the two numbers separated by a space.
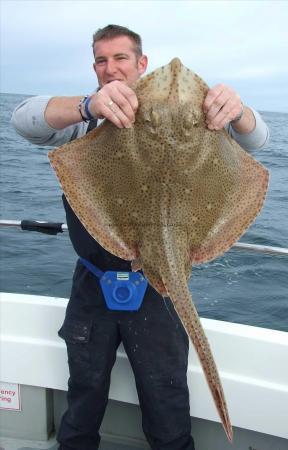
pixel 58 227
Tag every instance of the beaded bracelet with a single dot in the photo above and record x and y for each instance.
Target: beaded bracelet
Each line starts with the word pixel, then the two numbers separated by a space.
pixel 85 101
pixel 86 109
pixel 85 119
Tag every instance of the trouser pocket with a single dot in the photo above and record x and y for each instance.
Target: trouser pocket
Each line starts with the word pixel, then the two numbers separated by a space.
pixel 75 331
pixel 77 336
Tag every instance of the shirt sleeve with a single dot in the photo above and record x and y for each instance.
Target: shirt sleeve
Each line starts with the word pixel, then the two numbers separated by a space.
pixel 254 140
pixel 29 121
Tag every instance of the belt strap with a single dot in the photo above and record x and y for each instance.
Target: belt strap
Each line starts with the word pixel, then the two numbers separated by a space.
pixel 97 272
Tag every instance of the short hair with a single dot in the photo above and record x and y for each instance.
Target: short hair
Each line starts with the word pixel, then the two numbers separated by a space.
pixel 112 31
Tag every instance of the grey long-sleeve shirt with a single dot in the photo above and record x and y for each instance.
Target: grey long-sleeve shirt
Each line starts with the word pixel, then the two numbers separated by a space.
pixel 29 121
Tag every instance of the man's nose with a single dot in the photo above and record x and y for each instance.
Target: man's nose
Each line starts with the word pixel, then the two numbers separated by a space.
pixel 110 67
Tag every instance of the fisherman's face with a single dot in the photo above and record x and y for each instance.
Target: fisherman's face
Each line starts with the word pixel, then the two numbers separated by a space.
pixel 115 59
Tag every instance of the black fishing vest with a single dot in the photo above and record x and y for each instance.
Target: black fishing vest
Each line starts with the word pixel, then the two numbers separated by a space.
pixel 85 245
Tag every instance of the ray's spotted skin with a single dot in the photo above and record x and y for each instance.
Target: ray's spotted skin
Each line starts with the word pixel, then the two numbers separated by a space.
pixel 166 194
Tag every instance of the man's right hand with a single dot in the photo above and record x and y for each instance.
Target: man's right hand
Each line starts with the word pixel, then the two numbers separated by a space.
pixel 116 102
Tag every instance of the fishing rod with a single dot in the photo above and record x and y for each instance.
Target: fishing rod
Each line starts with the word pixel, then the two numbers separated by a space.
pixel 36 225
pixel 54 228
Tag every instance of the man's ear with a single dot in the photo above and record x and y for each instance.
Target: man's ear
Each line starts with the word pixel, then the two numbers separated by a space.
pixel 142 64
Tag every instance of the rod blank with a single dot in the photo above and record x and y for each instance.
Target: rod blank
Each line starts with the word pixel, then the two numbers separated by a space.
pixel 56 227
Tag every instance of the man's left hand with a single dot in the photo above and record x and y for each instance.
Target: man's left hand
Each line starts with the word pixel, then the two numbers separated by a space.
pixel 221 105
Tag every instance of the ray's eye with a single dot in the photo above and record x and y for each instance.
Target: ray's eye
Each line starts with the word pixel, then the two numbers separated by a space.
pixel 191 120
pixel 188 121
pixel 152 119
pixel 155 119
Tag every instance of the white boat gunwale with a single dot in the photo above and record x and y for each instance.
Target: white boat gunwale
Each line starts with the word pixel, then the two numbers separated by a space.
pixel 256 386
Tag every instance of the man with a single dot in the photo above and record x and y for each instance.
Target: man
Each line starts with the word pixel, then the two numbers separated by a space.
pixel 153 337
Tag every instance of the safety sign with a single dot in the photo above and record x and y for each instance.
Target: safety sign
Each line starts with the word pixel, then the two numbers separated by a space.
pixel 10 396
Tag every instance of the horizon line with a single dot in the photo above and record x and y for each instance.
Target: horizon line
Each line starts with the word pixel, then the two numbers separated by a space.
pixel 35 95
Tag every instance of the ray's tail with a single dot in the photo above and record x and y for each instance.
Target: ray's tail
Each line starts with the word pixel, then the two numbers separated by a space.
pixel 188 315
pixel 171 277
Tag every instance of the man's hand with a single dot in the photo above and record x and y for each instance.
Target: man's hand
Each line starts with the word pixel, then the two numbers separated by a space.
pixel 221 105
pixel 116 102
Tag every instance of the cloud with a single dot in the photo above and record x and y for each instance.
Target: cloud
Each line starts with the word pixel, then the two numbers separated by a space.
pixel 49 42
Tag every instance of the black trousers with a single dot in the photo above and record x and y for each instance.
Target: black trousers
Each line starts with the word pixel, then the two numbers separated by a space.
pixel 157 347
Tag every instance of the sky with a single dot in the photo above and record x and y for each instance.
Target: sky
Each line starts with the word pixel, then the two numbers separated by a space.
pixel 46 44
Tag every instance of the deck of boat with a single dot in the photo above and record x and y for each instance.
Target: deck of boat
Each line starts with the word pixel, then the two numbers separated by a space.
pixel 51 444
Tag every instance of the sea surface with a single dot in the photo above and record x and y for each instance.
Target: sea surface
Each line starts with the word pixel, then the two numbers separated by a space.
pixel 248 288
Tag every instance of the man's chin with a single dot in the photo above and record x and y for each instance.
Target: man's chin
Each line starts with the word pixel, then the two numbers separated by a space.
pixel 128 83
pixel 116 79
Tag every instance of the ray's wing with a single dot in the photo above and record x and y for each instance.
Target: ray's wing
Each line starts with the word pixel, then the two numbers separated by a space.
pixel 98 176
pixel 233 188
pixel 217 188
